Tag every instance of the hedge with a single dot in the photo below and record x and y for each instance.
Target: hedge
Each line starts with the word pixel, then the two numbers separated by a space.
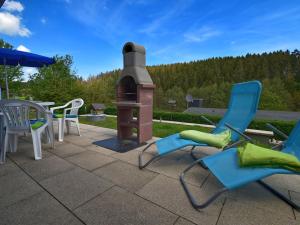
pixel 259 124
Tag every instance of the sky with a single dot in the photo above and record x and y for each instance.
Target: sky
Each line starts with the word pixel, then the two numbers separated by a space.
pixel 94 31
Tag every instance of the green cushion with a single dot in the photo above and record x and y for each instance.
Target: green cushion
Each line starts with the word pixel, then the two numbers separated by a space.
pixel 35 124
pixel 216 140
pixel 62 116
pixel 251 155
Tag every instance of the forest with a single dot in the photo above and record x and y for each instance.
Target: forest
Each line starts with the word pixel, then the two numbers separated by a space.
pixel 210 79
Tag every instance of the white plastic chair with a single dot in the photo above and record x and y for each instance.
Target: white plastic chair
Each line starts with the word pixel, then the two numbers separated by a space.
pixel 17 122
pixel 70 115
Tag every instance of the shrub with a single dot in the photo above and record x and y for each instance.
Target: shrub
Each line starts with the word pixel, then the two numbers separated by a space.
pixel 258 124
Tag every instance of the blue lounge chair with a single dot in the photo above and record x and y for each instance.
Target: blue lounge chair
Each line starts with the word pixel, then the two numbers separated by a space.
pixel 224 166
pixel 241 110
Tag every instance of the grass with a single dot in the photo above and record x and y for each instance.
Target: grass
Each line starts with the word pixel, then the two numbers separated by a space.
pixel 159 129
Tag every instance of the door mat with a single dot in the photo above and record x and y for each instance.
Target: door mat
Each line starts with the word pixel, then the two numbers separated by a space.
pixel 116 145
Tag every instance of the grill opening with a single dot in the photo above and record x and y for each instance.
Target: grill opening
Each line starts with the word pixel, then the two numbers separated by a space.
pixel 127 89
pixel 128 48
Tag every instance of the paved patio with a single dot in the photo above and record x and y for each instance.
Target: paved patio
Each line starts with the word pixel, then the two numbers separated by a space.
pixel 80 183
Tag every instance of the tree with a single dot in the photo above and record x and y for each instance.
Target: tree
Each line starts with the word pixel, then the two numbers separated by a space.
pixel 56 82
pixel 14 74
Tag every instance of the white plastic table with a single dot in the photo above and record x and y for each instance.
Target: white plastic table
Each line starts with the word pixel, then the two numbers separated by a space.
pixel 44 104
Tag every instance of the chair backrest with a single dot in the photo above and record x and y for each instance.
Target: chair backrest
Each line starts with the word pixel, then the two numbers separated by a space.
pixel 242 107
pixel 76 104
pixel 17 113
pixel 292 144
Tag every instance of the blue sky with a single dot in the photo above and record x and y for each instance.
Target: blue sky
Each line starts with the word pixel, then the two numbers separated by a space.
pixel 94 31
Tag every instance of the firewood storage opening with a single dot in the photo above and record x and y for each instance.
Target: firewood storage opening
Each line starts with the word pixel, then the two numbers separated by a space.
pixel 134 96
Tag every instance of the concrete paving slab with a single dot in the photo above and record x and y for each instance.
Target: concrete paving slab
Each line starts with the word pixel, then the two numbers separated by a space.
pixel 90 160
pixel 131 156
pixel 24 144
pixel 235 213
pixel 118 206
pixel 90 134
pixel 26 155
pixel 256 196
pixel 101 136
pixel 8 168
pixel 125 175
pixel 182 221
pixel 38 209
pixel 86 126
pixel 103 130
pixel 48 167
pixel 173 165
pixel 168 193
pixel 75 187
pixel 15 187
pixel 285 181
pixel 78 140
pixel 295 196
pixel 101 150
pixel 67 149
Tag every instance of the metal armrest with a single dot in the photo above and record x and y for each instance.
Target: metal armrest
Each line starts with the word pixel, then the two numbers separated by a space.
pixel 239 132
pixel 208 120
pixel 277 131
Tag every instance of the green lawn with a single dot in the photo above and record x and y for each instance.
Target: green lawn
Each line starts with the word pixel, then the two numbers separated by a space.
pixel 159 129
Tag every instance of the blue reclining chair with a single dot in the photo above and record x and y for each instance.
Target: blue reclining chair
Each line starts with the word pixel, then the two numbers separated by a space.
pixel 224 166
pixel 241 110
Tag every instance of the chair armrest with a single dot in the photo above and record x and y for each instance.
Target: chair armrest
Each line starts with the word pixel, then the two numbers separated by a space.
pixel 277 131
pixel 239 133
pixel 57 107
pixel 208 120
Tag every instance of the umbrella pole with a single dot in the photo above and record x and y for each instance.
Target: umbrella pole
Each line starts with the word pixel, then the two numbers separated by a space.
pixel 6 80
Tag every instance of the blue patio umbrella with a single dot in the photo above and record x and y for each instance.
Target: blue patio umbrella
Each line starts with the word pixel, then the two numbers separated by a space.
pixel 1 3
pixel 10 57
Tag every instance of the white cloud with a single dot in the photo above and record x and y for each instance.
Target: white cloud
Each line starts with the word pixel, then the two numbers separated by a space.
pixel 169 14
pixel 13 6
pixel 23 48
pixel 43 20
pixel 200 35
pixel 29 71
pixel 11 25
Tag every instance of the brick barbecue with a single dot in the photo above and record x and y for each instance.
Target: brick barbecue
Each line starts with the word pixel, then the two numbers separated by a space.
pixel 134 96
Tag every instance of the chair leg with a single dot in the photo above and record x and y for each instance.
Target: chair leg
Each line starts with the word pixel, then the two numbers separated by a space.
pixel 141 166
pixel 191 198
pixel 78 128
pixel 50 137
pixel 61 129
pixel 68 124
pixel 37 145
pixel 51 134
pixel 279 195
pixel 4 148
pixel 13 142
